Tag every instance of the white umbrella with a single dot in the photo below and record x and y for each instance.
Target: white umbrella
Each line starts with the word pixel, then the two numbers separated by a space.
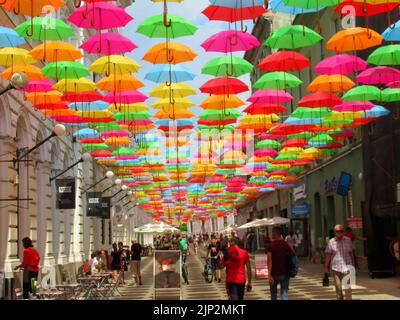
pixel 228 229
pixel 156 228
pixel 278 220
pixel 250 224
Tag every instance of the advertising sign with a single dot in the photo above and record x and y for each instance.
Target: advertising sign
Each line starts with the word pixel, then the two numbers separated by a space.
pixel 93 204
pixel 355 222
pixel 261 262
pixel 344 183
pixel 300 209
pixel 299 192
pixel 65 193
pixel 106 207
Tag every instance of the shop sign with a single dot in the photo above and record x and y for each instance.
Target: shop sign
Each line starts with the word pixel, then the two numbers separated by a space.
pixel 299 192
pixel 354 222
pixel 331 185
pixel 93 204
pixel 300 209
pixel 106 207
pixel 65 193
pixel 261 262
pixel 344 184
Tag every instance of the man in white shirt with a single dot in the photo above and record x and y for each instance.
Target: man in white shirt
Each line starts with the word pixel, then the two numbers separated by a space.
pixel 292 240
pixel 94 266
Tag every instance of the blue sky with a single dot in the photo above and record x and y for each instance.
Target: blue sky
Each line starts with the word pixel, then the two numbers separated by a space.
pixel 190 10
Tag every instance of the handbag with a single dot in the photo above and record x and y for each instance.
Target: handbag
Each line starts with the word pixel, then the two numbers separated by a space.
pixel 325 280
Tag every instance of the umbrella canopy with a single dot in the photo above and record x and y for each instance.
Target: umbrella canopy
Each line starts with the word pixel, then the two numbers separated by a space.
pixel 341 63
pixel 169 52
pixel 331 83
pixel 385 56
pixel 227 66
pixel 284 61
pixel 114 64
pixel 154 27
pixel 363 93
pixel 179 90
pixel 229 14
pixel 378 75
pixel 224 85
pixel 277 80
pixel 270 96
pixel 56 51
pixel 11 56
pixel 310 4
pixel 354 39
pixel 75 85
pixel 365 9
pixel 108 43
pixel 392 33
pixel 230 41
pixel 169 73
pixel 292 37
pixel 65 69
pixel 33 73
pixel 116 82
pixel 125 97
pixel 10 38
pixel 31 8
pixel 44 29
pixel 319 99
pixel 221 102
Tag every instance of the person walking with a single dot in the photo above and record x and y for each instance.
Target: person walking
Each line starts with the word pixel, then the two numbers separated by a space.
pixel 136 251
pixel 30 264
pixel 115 262
pixel 237 262
pixel 339 255
pixel 213 252
pixel 292 240
pixel 278 269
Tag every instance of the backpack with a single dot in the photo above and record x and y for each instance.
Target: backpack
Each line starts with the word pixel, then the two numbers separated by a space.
pixel 293 265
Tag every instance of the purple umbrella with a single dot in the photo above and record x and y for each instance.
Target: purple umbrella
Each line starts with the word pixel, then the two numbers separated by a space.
pixel 230 41
pixel 341 64
pixel 108 43
pixel 125 97
pixel 378 75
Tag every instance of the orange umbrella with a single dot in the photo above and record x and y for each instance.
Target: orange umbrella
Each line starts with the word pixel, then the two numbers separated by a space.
pixel 116 82
pixel 59 113
pixel 178 113
pixel 118 141
pixel 354 39
pixel 331 83
pixel 169 52
pixel 56 51
pixel 33 73
pixel 44 97
pixel 220 102
pixel 32 8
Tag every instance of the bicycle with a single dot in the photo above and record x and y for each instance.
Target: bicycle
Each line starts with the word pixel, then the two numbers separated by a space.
pixel 185 274
pixel 210 269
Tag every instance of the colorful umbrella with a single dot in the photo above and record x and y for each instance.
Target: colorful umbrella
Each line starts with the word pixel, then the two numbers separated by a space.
pixel 387 55
pixel 31 8
pixel 229 14
pixel 65 69
pixel 114 64
pixel 169 73
pixel 277 80
pixel 116 82
pixel 362 93
pixel 341 64
pixel 331 83
pixel 11 56
pixel 230 41
pixel 284 61
pixel 378 75
pixel 108 43
pixel 10 38
pixel 169 52
pixel 224 85
pixel 354 39
pixel 227 66
pixel 154 27
pixel 292 37
pixel 319 99
pixel 56 51
pixel 44 29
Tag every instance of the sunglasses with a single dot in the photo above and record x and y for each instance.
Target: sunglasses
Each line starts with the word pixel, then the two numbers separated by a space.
pixel 341 231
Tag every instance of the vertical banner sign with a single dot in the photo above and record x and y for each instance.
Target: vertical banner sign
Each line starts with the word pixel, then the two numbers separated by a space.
pixel 344 183
pixel 106 207
pixel 65 193
pixel 261 261
pixel 93 204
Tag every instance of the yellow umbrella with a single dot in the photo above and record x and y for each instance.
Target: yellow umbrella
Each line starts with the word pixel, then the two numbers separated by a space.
pixel 10 56
pixel 257 121
pixel 344 115
pixel 177 113
pixel 95 114
pixel 179 90
pixel 56 51
pixel 178 103
pixel 134 107
pixel 220 102
pixel 114 64
pixel 32 72
pixel 75 85
pixel 169 52
pixel 122 82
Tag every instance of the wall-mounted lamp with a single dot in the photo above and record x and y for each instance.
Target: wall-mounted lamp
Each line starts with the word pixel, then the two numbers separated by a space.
pixel 116 183
pixel 19 80
pixel 109 175
pixel 85 158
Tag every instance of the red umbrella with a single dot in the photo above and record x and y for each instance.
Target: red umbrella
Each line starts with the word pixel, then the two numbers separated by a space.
pixel 91 140
pixel 283 128
pixel 284 61
pixel 224 85
pixel 295 142
pixel 264 108
pixel 102 153
pixel 319 99
pixel 233 14
pixel 83 96
pixel 216 122
pixel 363 9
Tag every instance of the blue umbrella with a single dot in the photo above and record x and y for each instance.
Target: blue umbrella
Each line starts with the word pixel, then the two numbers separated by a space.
pixel 293 120
pixel 86 133
pixel 161 73
pixel 89 106
pixel 236 3
pixel 179 122
pixel 376 112
pixel 280 6
pixel 392 33
pixel 10 38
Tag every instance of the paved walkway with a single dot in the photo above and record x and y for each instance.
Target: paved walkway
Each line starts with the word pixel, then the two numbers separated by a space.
pixel 305 286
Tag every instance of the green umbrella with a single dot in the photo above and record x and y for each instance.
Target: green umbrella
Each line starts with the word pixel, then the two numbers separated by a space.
pixel 320 140
pixel 101 126
pixel 277 80
pixel 211 114
pixel 391 94
pixel 295 169
pixel 311 4
pixel 385 56
pixel 334 123
pixel 362 93
pixel 267 144
pixel 228 127
pixel 132 116
pixel 95 146
pixel 286 156
pixel 65 69
pixel 154 27
pixel 308 113
pixel 227 66
pixel 301 135
pixel 292 37
pixel 45 29
pixel 124 151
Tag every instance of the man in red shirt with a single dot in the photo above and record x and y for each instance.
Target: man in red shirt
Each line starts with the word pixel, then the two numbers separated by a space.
pixel 236 260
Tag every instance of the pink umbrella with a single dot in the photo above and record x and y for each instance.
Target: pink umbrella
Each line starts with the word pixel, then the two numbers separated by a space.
pixel 100 16
pixel 108 43
pixel 114 133
pixel 394 84
pixel 39 86
pixel 270 96
pixel 126 157
pixel 230 41
pixel 353 106
pixel 265 152
pixel 125 97
pixel 341 64
pixel 265 136
pixel 143 122
pixel 378 75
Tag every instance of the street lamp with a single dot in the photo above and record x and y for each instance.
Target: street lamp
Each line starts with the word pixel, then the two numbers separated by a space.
pixel 123 188
pixel 19 80
pixel 58 131
pixel 109 175
pixel 116 182
pixel 85 158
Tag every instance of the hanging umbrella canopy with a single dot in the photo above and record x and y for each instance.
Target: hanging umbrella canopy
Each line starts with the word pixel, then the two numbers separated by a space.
pixel 125 97
pixel 277 80
pixel 341 64
pixel 385 56
pixel 75 85
pixel 331 83
pixel 100 16
pixel 154 27
pixel 378 75
pixel 284 61
pixel 219 115
pixel 166 72
pixel 354 39
pixel 44 97
pixel 221 101
pixel 365 9
pixel 319 99
pixel 229 14
pixel 39 86
pixel 178 102
pixel 224 85
pixel 292 37
pixel 32 72
pixel 353 106
pixel 31 8
pixel 281 6
pixel 264 108
pixel 10 38
pixel 391 95
pixel 169 52
pixel 108 44
pixel 179 90
pixel 56 51
pixel 270 96
pixel 177 113
pixel 392 33
pixel 45 29
pixel 84 96
pixel 230 41
pixel 119 82
pixel 11 56
pixel 227 66
pixel 114 64
pixel 65 69
pixel 363 93
pixel 307 113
